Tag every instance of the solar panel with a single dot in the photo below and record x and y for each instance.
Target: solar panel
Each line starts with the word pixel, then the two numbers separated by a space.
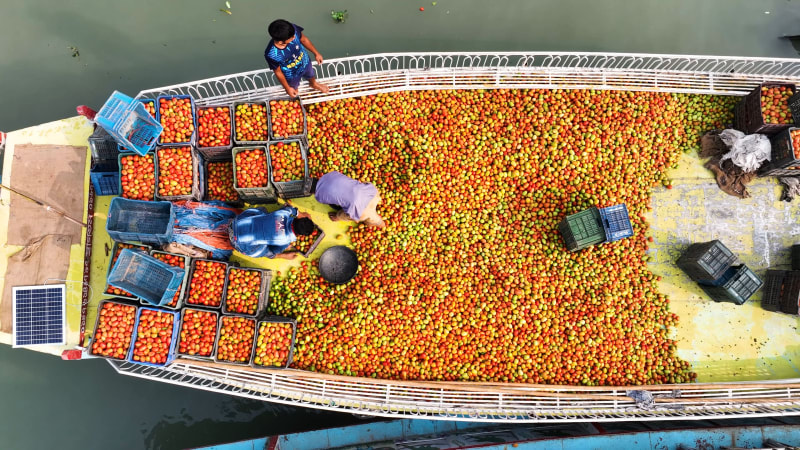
pixel 39 315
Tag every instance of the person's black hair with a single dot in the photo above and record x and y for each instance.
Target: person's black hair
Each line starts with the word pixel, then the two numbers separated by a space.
pixel 281 30
pixel 302 226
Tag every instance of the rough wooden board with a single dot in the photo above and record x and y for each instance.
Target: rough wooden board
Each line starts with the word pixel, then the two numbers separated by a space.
pixel 53 174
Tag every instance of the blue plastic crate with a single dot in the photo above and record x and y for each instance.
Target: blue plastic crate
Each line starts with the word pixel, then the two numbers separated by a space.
pixel 153 281
pixel 140 221
pixel 616 222
pixel 173 345
pixel 105 183
pixel 129 123
pixel 194 120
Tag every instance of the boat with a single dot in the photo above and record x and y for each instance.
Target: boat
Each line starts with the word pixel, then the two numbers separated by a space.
pixel 735 378
pixel 409 434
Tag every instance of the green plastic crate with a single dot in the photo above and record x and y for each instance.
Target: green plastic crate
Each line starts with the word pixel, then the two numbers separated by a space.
pixel 582 230
pixel 737 285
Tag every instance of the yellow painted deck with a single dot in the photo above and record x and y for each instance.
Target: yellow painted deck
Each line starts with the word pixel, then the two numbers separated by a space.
pixel 723 341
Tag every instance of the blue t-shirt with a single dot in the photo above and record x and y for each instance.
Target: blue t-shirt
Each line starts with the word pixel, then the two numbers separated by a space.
pixel 292 60
pixel 257 233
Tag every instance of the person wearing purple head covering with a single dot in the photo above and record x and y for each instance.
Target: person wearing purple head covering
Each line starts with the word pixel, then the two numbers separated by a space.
pixel 358 201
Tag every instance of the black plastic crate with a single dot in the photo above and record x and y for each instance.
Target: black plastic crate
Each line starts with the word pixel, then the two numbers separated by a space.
pixel 206 195
pixel 782 291
pixel 706 261
pixel 274 319
pixel 222 320
pixel 181 333
pixel 104 150
pixel 221 152
pixel 784 157
pixel 233 128
pixel 272 134
pixel 291 188
pixel 755 119
pixel 97 324
pixel 263 194
pixel 263 293
pixel 738 285
pixel 105 183
pixel 582 229
pixel 197 167
pixel 740 116
pixel 795 251
pixel 224 283
pixel 794 107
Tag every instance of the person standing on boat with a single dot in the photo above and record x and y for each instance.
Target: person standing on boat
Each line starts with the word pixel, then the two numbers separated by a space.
pixel 258 233
pixel 354 200
pixel 286 55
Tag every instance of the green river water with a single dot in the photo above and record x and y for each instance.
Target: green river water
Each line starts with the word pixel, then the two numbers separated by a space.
pixel 135 45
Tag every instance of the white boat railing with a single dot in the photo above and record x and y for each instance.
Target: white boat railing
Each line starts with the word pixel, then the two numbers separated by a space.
pixel 390 72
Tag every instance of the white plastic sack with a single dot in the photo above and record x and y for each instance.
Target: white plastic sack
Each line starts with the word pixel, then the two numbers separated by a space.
pixel 746 152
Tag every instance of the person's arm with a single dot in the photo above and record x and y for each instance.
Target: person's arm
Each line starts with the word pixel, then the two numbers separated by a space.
pixel 277 251
pixel 307 44
pixel 292 92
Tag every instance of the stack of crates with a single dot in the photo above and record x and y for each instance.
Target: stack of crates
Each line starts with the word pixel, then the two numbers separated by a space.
pixel 595 226
pixel 710 264
pixel 104 171
pixel 782 291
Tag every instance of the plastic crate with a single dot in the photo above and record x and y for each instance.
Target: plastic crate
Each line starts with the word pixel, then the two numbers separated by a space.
pixel 314 244
pixel 173 343
pixel 129 123
pixel 783 159
pixel 582 230
pixel 122 155
pixel 197 165
pixel 144 248
pixel 104 150
pixel 233 128
pixel 794 107
pixel 140 221
pixel 105 183
pixel 706 261
pixel 272 135
pixel 782 291
pixel 145 101
pixel 265 194
pixel 194 120
pixel 151 280
pixel 616 222
pixel 740 116
pixel 97 324
pixel 187 261
pixel 738 284
pixel 795 253
pixel 294 188
pixel 213 348
pixel 263 295
pixel 238 203
pixel 755 119
pixel 275 319
pixel 220 153
pixel 190 274
pixel 252 344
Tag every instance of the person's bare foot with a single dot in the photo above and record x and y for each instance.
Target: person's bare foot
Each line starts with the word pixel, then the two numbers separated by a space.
pixel 333 216
pixel 320 87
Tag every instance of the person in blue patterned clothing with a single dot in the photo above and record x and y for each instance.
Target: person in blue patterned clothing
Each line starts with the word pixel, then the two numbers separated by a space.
pixel 286 55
